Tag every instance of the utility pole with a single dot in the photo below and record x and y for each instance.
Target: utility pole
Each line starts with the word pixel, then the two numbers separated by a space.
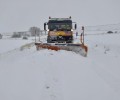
pixel 39 35
pixel 35 35
pixel 83 33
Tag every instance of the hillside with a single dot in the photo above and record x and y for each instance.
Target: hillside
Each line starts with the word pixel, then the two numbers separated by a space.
pixel 109 27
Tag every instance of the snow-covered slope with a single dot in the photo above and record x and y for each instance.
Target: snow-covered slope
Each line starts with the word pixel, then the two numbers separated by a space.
pixel 27 74
pixel 109 27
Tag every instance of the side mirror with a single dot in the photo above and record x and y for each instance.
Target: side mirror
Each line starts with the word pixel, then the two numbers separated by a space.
pixel 75 26
pixel 45 26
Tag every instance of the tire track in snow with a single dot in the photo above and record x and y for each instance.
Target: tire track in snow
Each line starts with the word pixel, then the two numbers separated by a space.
pixel 108 77
pixel 52 89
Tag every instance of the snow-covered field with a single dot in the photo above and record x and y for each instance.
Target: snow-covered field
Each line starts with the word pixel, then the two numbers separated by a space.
pixel 27 74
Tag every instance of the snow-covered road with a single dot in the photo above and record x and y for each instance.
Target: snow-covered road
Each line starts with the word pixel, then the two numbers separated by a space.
pixel 28 74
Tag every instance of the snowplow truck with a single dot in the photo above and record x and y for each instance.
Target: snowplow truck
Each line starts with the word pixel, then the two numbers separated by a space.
pixel 60 30
pixel 60 36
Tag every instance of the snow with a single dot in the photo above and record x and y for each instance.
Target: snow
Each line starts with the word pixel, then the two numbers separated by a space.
pixel 27 74
pixel 11 44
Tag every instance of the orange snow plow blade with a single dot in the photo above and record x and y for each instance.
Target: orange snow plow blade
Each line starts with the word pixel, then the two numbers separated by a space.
pixel 77 48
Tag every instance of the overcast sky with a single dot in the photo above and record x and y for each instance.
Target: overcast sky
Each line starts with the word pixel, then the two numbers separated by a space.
pixel 19 15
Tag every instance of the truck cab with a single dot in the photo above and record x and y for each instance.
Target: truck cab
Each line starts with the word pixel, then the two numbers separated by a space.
pixel 60 30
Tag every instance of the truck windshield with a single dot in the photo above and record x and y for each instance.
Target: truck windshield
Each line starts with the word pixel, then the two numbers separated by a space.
pixel 60 26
